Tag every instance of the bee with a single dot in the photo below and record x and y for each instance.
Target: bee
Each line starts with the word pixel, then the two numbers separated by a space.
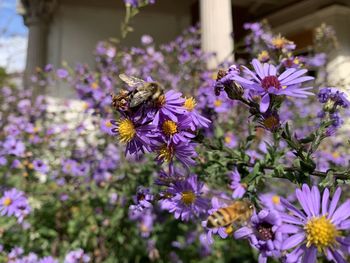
pixel 239 212
pixel 143 92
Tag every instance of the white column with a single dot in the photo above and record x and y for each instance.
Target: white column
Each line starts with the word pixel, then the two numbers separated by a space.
pixel 216 25
pixel 37 15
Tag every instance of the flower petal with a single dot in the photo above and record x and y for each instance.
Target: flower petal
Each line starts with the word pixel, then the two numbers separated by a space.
pixel 265 103
pixel 342 213
pixel 325 201
pixel 334 202
pixel 310 255
pixel 293 241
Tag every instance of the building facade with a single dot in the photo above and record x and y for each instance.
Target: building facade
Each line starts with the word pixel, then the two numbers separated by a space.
pixel 68 30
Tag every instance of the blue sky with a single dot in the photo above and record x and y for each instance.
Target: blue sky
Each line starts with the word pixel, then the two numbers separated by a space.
pixel 13 37
pixel 11 23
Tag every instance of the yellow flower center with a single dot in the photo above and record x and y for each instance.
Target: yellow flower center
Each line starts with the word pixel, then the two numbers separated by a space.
pixel 188 197
pixel 263 56
pixel 228 139
pixel 30 166
pixel 169 127
pixel 7 201
pixel 190 104
pixel 144 228
pixel 126 130
pixel 108 124
pixel 336 155
pixel 320 232
pixel 279 42
pixel 276 200
pixel 94 85
pixel 166 153
pixel 217 103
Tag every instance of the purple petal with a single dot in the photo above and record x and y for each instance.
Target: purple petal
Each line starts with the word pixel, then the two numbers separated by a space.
pixel 295 75
pixel 310 255
pixel 292 208
pixel 334 202
pixel 293 241
pixel 258 68
pixel 265 103
pixel 243 232
pixel 298 80
pixel 325 200
pixel 287 73
pixel 342 213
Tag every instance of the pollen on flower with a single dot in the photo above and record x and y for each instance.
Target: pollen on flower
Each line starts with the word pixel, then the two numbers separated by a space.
pixel 276 200
pixel 190 104
pixel 229 229
pixel 161 101
pixel 7 201
pixel 321 233
pixel 270 81
pixel 271 122
pixel 166 153
pixel 217 103
pixel 126 130
pixel 188 197
pixel 169 127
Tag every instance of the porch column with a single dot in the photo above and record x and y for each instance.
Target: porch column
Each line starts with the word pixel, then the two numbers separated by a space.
pixel 36 15
pixel 216 25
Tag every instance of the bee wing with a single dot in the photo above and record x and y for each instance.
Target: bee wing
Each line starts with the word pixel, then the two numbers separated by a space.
pixel 140 96
pixel 131 81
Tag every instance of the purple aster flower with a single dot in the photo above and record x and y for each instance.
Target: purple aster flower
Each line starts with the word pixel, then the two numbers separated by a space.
pixel 48 259
pixel 69 166
pixel 14 203
pixel 146 224
pixel 77 256
pixel 146 40
pixel 334 97
pixel 40 166
pixel 318 227
pixel 186 201
pixel 62 73
pixel 170 106
pixel 15 252
pixel 230 140
pixel 198 120
pixel 271 201
pixel 264 234
pixel 13 146
pixel 177 132
pixel 264 81
pixel 238 188
pixel 142 201
pixel 106 126
pixel 136 135
pixel 183 152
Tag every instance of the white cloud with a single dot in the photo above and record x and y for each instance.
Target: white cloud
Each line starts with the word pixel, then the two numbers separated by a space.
pixel 13 53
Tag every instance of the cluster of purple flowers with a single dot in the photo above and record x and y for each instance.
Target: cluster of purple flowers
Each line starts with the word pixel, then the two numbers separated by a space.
pixel 137 3
pixel 142 211
pixel 165 127
pixel 333 100
pixel 14 203
pixel 298 235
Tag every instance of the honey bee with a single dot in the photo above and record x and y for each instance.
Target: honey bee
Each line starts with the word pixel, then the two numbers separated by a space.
pixel 239 212
pixel 143 92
